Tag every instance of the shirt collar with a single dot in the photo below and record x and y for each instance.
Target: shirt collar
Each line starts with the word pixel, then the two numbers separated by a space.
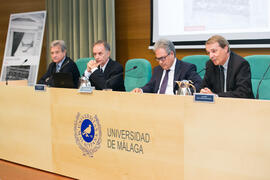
pixel 225 66
pixel 61 62
pixel 173 65
pixel 104 67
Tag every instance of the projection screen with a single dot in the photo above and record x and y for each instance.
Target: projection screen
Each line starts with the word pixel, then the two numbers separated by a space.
pixel 189 23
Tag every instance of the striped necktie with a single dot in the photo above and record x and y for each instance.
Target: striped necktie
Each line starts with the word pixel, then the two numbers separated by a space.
pixel 164 83
pixel 58 67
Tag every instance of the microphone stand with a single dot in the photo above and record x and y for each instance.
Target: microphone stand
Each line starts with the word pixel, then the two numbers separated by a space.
pixel 203 69
pixel 113 77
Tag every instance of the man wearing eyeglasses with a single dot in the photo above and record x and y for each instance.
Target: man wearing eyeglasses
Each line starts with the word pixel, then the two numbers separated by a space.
pixel 170 69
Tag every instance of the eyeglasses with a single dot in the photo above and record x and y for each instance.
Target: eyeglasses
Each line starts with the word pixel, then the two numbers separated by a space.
pixel 163 58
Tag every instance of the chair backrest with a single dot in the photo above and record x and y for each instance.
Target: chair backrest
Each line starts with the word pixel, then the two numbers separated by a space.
pixel 82 64
pixel 199 61
pixel 258 66
pixel 138 77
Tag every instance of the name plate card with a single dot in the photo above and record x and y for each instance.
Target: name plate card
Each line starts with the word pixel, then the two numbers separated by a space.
pixel 40 87
pixel 86 89
pixel 208 98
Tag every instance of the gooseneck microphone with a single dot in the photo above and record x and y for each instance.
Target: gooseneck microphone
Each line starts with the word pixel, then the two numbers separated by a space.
pixel 7 76
pixel 49 80
pixel 257 95
pixel 134 67
pixel 203 69
pixel 63 65
pixel 117 75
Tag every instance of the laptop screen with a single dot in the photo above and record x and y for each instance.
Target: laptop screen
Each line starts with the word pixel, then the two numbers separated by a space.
pixel 62 80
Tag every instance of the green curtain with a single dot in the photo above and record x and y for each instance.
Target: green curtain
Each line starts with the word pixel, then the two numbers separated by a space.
pixel 80 23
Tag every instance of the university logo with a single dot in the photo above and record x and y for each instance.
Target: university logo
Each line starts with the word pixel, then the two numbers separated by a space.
pixel 87 131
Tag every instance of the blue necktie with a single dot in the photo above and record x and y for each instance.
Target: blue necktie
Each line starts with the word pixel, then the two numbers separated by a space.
pixel 164 83
pixel 58 67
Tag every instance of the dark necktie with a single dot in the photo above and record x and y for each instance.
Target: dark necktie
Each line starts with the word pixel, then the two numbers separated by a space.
pixel 164 83
pixel 100 69
pixel 221 69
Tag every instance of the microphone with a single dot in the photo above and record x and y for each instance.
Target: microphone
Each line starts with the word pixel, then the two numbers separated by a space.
pixel 117 75
pixel 49 79
pixel 203 69
pixel 257 95
pixel 63 65
pixel 16 69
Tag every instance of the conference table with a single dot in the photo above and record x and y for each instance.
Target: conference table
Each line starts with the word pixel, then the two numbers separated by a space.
pixel 123 135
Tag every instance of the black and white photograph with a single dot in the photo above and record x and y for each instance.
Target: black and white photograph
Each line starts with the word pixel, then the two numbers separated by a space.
pixel 23 46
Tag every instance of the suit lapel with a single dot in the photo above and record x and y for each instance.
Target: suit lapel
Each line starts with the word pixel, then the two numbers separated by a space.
pixel 229 71
pixel 177 73
pixel 158 78
pixel 108 67
pixel 53 69
pixel 66 61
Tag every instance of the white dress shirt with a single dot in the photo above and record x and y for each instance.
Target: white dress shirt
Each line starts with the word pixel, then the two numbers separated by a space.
pixel 169 89
pixel 88 74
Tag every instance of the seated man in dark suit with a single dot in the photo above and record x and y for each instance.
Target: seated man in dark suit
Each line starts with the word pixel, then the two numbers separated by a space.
pixel 170 69
pixel 227 74
pixel 103 72
pixel 61 63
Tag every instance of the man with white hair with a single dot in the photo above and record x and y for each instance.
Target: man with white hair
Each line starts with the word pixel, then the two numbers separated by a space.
pixel 61 63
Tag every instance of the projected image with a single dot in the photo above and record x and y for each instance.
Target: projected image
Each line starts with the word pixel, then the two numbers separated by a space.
pixel 222 15
pixel 189 23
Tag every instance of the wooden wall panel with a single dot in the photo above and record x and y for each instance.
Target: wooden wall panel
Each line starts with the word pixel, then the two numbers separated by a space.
pixel 133 26
pixel 133 30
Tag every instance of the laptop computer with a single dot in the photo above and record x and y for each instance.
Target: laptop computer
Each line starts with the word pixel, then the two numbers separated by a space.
pixel 62 80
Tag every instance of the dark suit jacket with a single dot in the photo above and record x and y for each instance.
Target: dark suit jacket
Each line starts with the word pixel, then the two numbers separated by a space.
pixel 183 71
pixel 112 77
pixel 238 81
pixel 68 66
